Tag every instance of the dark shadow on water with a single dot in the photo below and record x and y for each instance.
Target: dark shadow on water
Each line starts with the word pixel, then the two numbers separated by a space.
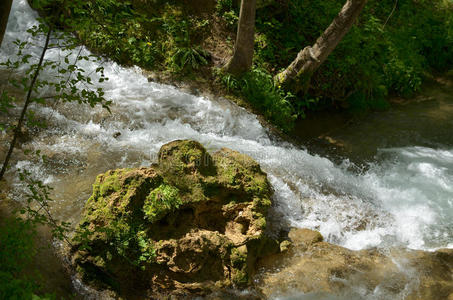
pixel 424 120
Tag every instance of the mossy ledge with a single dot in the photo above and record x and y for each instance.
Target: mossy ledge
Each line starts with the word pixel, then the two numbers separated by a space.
pixel 188 225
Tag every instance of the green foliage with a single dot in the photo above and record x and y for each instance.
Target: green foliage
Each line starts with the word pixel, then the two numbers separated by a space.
pixel 155 36
pixel 160 201
pixel 383 54
pixel 231 18
pixel 182 55
pixel 115 29
pixel 124 238
pixel 224 9
pixel 189 58
pixel 131 243
pixel 147 250
pixel 224 6
pixel 17 251
pixel 258 87
pixel 68 83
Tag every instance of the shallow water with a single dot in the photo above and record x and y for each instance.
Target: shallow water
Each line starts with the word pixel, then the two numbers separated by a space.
pixel 389 186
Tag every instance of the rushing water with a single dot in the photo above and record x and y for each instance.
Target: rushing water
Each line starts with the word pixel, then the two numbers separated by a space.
pixel 403 197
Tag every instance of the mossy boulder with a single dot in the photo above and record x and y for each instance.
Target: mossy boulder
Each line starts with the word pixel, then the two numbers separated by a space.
pixel 189 224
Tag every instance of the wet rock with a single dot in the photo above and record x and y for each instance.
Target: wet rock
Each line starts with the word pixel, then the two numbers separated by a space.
pixel 195 92
pixel 191 224
pixel 186 88
pixel 154 77
pixel 301 237
pixel 116 134
pixel 312 265
pixel 284 246
pixel 434 271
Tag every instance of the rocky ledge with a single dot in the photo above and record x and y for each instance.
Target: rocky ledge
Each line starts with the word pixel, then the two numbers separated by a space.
pixel 190 224
pixel 321 270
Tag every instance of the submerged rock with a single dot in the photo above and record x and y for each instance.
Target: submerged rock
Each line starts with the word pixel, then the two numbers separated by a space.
pixel 326 271
pixel 192 223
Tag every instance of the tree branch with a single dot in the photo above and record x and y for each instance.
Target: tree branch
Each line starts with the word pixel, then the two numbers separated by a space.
pixel 28 99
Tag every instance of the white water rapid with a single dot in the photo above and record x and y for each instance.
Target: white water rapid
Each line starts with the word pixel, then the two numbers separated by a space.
pixel 405 198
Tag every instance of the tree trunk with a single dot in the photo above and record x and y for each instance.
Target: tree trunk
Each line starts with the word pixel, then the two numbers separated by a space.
pixel 241 61
pixel 297 75
pixel 5 8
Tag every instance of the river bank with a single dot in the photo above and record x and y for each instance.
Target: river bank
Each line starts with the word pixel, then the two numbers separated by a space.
pixel 336 133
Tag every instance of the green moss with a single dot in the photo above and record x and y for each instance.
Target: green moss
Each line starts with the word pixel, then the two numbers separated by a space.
pixel 227 170
pixel 239 171
pixel 120 221
pixel 240 277
pixel 183 157
pixel 257 185
pixel 261 203
pixel 284 246
pixel 147 249
pixel 110 185
pixel 161 201
pixel 239 266
pixel 80 271
pixel 109 227
pixel 239 257
pixel 260 220
pixel 99 261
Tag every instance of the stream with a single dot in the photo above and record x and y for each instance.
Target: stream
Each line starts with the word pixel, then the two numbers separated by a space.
pixel 387 182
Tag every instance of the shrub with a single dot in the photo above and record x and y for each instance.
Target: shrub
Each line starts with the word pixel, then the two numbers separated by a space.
pixel 383 54
pixel 223 6
pixel 258 88
pixel 17 251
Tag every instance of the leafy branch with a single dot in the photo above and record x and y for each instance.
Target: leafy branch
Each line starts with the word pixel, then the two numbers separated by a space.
pixel 68 82
pixel 28 99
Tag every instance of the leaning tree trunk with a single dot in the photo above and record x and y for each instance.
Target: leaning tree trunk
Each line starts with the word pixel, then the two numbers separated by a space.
pixel 241 61
pixel 297 75
pixel 5 8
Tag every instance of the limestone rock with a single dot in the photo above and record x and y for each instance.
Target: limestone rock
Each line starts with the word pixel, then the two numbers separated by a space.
pixel 192 223
pixel 302 237
pixel 314 266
